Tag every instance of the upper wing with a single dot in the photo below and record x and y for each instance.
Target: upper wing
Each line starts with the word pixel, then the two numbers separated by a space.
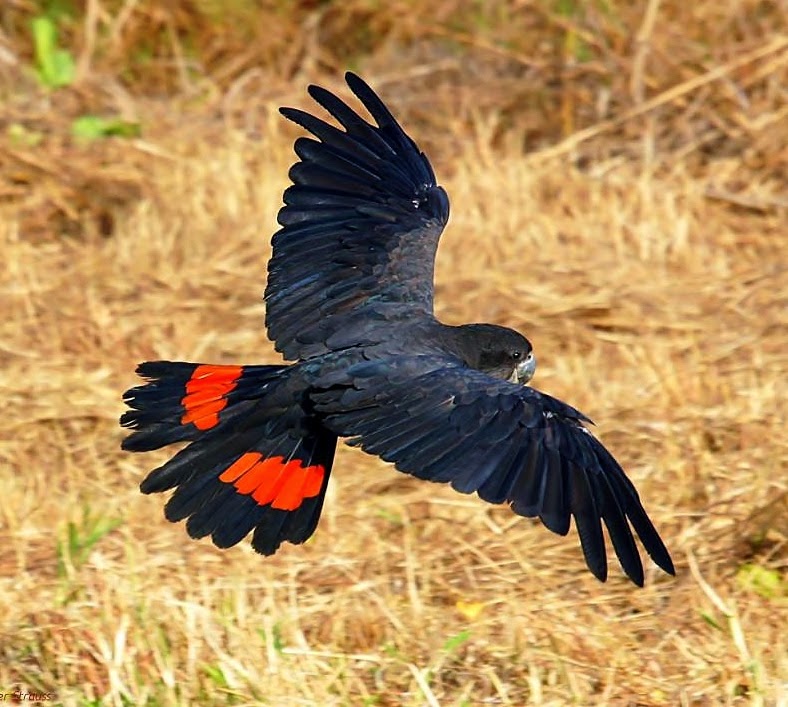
pixel 360 224
pixel 442 422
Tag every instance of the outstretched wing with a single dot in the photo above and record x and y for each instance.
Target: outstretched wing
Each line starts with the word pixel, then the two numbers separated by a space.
pixel 360 226
pixel 443 422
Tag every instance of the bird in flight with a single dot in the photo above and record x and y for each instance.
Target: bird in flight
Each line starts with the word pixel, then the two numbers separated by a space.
pixel 349 300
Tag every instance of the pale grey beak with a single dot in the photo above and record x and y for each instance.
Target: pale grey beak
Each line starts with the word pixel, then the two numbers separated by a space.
pixel 524 371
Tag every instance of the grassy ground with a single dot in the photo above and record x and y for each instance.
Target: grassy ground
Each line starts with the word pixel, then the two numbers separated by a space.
pixel 618 194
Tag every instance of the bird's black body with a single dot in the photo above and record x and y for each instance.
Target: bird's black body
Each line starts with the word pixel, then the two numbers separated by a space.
pixel 349 299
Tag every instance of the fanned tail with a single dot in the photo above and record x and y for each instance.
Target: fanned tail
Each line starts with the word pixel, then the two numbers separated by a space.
pixel 257 460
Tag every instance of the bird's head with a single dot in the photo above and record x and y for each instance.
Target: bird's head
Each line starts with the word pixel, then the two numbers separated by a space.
pixel 499 352
pixel 525 367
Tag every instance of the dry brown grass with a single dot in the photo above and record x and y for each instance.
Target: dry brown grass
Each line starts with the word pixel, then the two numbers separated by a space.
pixel 643 252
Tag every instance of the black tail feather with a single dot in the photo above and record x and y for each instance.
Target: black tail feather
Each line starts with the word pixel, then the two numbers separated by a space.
pixel 257 461
pixel 157 413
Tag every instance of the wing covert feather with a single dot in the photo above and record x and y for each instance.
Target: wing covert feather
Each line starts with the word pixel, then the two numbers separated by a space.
pixel 509 443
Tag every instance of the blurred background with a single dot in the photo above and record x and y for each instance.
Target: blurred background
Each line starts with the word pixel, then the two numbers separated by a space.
pixel 618 182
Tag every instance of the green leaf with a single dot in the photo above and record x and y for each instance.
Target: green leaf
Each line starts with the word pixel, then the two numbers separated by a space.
pixel 55 65
pixel 21 136
pixel 94 127
pixel 454 642
pixel 761 580
pixel 391 650
pixel 80 540
pixel 710 620
pixel 216 675
pixel 391 517
pixel 57 9
pixel 277 641
pixel 566 8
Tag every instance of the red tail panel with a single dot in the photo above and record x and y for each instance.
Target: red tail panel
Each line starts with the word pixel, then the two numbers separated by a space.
pixel 257 460
pixel 206 394
pixel 284 485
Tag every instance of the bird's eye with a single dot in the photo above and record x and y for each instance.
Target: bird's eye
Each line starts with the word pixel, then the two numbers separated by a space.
pixel 517 355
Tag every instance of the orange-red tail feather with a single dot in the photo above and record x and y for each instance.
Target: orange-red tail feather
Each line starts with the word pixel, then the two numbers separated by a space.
pixel 257 460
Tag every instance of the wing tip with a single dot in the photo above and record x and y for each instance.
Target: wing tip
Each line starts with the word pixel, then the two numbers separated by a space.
pixel 664 561
pixel 353 79
pixel 598 567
